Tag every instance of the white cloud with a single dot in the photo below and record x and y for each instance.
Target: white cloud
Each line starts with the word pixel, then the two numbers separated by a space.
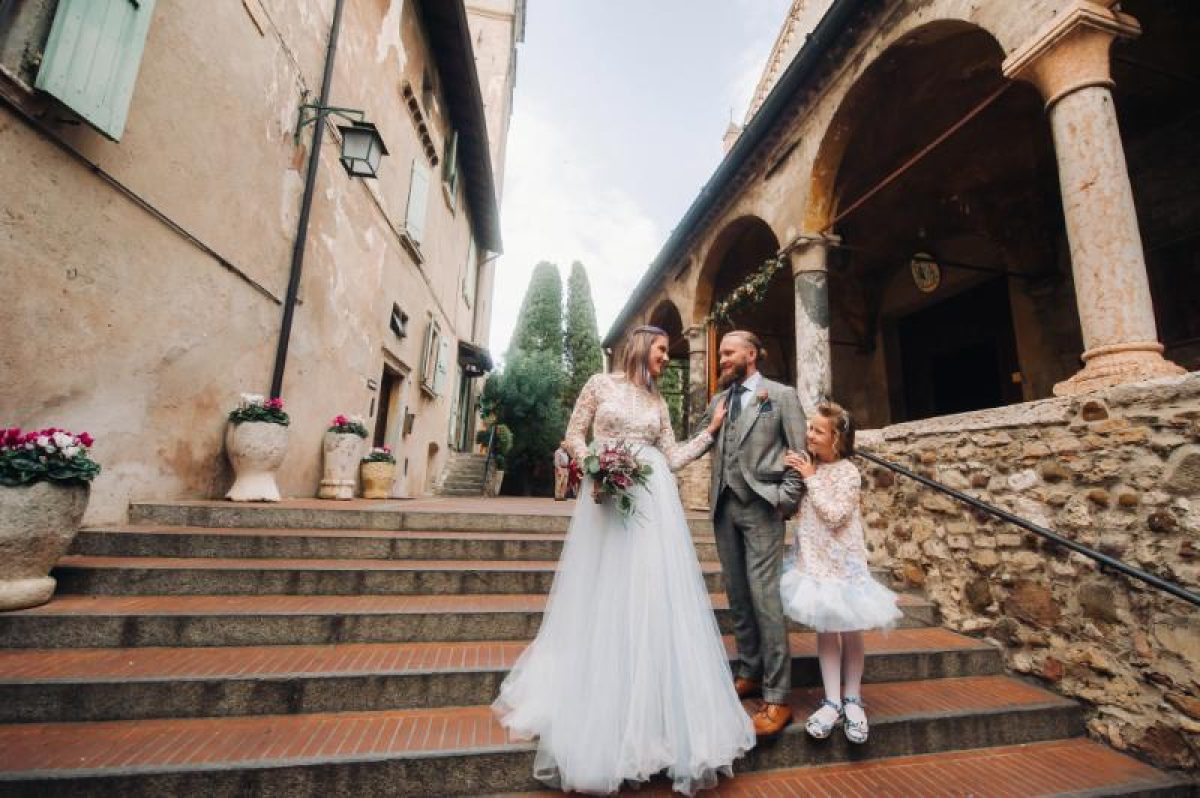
pixel 559 206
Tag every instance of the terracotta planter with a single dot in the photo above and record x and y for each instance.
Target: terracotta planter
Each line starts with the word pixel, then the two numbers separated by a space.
pixel 256 450
pixel 342 450
pixel 37 524
pixel 377 480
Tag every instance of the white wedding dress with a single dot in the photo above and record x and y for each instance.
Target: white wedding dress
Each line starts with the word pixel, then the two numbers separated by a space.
pixel 628 675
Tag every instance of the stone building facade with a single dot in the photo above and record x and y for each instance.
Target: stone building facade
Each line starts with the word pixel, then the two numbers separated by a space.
pixel 987 216
pixel 148 263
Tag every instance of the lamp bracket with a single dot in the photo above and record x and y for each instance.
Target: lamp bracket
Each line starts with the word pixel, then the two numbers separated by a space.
pixel 311 112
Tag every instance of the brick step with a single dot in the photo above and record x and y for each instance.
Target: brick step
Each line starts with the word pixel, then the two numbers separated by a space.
pixel 479 514
pixel 463 750
pixel 178 576
pixel 185 541
pixel 129 683
pixel 135 621
pixel 1075 767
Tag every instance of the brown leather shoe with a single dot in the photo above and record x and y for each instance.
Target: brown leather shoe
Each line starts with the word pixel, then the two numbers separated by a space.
pixel 746 688
pixel 772 719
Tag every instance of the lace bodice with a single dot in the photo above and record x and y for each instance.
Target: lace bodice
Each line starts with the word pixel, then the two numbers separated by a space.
pixel 829 539
pixel 616 409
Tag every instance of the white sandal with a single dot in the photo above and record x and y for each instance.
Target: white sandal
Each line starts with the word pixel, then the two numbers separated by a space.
pixel 818 728
pixel 856 730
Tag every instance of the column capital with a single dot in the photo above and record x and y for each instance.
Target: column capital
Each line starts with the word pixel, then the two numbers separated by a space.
pixel 1071 51
pixel 810 255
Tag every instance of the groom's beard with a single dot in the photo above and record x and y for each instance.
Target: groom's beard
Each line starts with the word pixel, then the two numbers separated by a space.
pixel 735 374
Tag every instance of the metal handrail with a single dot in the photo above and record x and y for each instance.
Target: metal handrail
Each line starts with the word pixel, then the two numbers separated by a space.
pixel 1105 560
pixel 487 464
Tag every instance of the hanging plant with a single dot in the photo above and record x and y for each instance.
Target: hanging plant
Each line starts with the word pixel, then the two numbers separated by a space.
pixel 751 292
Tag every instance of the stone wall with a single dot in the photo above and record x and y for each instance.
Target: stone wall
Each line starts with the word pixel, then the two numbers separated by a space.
pixel 1118 471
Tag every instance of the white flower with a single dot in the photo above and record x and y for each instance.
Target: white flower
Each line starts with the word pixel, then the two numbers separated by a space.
pixel 356 420
pixel 70 452
pixel 248 399
pixel 43 441
pixel 30 445
pixel 62 440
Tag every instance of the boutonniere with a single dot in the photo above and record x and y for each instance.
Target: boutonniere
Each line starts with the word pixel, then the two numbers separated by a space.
pixel 762 400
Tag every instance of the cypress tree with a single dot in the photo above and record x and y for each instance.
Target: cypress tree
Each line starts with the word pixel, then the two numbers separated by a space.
pixel 539 327
pixel 581 348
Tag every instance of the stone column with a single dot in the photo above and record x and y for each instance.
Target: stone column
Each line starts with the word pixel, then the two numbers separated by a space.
pixel 1068 62
pixel 697 387
pixel 813 366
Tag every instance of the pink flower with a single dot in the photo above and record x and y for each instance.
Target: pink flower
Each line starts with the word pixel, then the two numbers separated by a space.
pixel 340 421
pixel 86 439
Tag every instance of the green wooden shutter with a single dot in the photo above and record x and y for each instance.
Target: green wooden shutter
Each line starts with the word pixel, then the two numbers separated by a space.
pixel 428 363
pixel 418 200
pixel 92 57
pixel 450 161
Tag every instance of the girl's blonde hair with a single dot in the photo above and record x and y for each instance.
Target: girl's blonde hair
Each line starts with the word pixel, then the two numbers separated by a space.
pixel 843 427
pixel 637 356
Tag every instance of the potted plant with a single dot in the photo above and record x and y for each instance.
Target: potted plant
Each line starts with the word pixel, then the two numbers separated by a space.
pixel 378 472
pixel 44 486
pixel 342 447
pixel 256 441
pixel 501 444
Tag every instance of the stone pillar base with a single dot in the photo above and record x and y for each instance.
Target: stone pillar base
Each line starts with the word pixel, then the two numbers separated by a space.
pixel 1106 366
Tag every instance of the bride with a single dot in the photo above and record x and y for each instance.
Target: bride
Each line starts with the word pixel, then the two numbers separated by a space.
pixel 628 675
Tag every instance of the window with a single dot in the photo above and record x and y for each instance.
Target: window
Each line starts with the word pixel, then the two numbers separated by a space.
pixel 435 362
pixel 92 57
pixel 24 28
pixel 450 169
pixel 399 322
pixel 418 201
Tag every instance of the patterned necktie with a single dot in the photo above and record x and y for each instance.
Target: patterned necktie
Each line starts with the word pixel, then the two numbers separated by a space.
pixel 735 402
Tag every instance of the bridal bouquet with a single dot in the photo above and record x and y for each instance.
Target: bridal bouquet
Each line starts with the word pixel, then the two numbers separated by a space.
pixel 615 470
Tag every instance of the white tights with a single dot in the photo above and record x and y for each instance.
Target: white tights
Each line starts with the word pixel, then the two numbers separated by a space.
pixel 842 657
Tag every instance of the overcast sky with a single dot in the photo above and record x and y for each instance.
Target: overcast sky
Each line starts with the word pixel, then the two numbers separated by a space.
pixel 617 121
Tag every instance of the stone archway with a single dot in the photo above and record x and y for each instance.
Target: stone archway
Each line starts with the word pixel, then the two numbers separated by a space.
pixel 981 203
pixel 675 383
pixel 741 247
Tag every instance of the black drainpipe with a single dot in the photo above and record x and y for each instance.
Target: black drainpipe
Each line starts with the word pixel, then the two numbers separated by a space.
pixel 310 184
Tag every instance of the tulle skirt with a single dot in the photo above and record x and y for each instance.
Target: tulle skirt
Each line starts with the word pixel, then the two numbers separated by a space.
pixel 838 605
pixel 628 675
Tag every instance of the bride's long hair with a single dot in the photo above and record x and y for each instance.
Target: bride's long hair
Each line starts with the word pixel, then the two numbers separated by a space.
pixel 637 357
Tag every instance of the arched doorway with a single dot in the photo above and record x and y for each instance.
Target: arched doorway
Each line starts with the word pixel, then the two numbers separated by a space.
pixel 950 290
pixel 738 251
pixel 675 381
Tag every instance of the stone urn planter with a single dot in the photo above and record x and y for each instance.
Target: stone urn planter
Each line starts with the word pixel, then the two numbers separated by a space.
pixel 377 478
pixel 256 450
pixel 342 452
pixel 37 524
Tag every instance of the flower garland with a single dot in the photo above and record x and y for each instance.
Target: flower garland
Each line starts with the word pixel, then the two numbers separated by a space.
pixel 752 291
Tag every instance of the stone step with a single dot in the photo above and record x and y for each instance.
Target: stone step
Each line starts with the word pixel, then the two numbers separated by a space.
pixel 479 515
pixel 129 683
pixel 179 576
pixel 134 621
pixel 1074 767
pixel 463 750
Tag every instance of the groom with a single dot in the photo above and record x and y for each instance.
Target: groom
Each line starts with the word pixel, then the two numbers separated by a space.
pixel 752 493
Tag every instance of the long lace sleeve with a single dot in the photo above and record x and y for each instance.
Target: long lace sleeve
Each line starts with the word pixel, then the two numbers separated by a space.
pixel 679 454
pixel 834 495
pixel 581 417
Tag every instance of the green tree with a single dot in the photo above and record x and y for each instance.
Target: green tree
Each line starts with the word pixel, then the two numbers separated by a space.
pixel 525 397
pixel 581 344
pixel 539 326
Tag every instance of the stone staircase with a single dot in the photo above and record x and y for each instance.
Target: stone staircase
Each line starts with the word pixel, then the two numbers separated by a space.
pixel 213 649
pixel 463 475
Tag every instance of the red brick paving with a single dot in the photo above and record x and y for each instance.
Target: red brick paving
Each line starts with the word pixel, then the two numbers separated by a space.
pixel 157 743
pixel 386 534
pixel 1017 771
pixel 106 664
pixel 312 564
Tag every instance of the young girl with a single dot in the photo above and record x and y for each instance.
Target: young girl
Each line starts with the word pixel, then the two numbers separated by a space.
pixel 830 588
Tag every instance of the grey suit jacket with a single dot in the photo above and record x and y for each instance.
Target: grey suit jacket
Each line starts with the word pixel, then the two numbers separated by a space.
pixel 765 431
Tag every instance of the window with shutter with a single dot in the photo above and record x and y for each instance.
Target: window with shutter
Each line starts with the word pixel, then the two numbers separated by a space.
pixel 418 200
pixel 442 369
pixel 450 168
pixel 429 355
pixel 92 57
pixel 472 275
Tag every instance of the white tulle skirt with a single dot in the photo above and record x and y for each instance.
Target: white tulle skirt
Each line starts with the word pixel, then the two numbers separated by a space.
pixel 628 675
pixel 838 605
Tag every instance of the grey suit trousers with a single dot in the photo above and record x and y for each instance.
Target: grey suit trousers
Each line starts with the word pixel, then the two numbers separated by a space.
pixel 750 545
